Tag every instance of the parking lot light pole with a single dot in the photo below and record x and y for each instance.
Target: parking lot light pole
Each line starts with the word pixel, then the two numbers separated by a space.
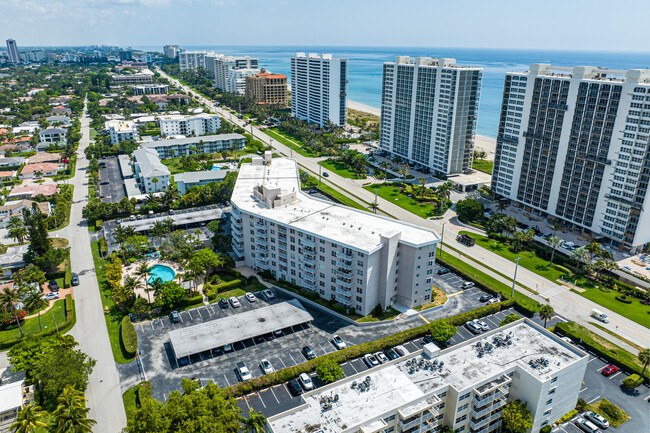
pixel 514 279
pixel 442 238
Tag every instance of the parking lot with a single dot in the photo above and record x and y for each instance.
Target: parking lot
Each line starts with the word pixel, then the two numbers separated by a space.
pixel 113 191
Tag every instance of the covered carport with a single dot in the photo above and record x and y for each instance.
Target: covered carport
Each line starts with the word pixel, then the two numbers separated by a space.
pixel 239 327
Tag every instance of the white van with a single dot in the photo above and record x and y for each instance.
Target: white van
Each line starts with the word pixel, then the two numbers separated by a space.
pixel 600 316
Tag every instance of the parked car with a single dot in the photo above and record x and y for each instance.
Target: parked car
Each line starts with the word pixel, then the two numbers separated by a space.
pixel 442 271
pixel 567 340
pixel 234 302
pixel 294 387
pixel 171 212
pixel 609 370
pixel 597 419
pixel 174 316
pixel 250 297
pixel 473 327
pixel 468 285
pixel 103 182
pixel 586 425
pixel 266 366
pixel 390 354
pixel 75 280
pixel 308 353
pixel 428 339
pixel 117 220
pixel 338 342
pixel 268 294
pixel 228 348
pixel 217 351
pixel 243 372
pixel 54 286
pixel 493 301
pixel 381 357
pixel 132 218
pixel 305 381
pixel 370 360
pixel 485 297
pixel 223 303
pixel 138 217
pixel 51 296
pixel 481 324
pixel 401 350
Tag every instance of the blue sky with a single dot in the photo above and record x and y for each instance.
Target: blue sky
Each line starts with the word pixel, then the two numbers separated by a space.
pixel 550 24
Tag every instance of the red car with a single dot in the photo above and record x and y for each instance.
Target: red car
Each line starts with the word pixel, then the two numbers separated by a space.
pixel 609 370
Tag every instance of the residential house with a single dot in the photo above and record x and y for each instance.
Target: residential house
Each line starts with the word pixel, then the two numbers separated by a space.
pixel 32 191
pixel 7 175
pixel 44 157
pixel 53 135
pixel 45 169
pixel 14 161
pixel 149 171
pixel 16 208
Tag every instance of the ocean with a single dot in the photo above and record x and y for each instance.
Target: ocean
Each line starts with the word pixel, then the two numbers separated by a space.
pixel 365 67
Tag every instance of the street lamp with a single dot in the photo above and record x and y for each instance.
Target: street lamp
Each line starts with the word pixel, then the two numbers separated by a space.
pixel 514 280
pixel 442 238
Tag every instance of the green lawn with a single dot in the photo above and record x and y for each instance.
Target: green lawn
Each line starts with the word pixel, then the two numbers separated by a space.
pixel 30 326
pixel 291 144
pixel 394 195
pixel 385 315
pixel 527 259
pixel 114 317
pixel 130 399
pixel 93 133
pixel 635 310
pixel 312 183
pixel 341 168
pixel 483 165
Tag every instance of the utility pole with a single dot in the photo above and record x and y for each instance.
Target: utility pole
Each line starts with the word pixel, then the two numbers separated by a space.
pixel 442 238
pixel 375 209
pixel 320 169
pixel 514 280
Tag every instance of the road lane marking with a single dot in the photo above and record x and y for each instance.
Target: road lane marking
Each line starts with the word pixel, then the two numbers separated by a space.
pixel 454 294
pixel 422 317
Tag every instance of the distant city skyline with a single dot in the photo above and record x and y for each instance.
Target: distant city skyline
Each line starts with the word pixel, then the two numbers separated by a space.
pixel 553 25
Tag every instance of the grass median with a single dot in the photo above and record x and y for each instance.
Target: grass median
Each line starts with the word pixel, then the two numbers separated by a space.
pixel 291 144
pixel 394 195
pixel 341 168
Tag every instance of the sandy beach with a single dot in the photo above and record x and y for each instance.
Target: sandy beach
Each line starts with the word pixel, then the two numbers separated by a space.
pixel 486 143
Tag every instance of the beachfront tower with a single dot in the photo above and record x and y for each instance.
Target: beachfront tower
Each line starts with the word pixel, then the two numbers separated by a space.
pixel 573 147
pixel 319 88
pixel 428 113
pixel 12 51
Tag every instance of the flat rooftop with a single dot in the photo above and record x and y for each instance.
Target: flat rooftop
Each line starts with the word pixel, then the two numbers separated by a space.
pixel 354 228
pixel 476 178
pixel 397 385
pixel 178 218
pixel 245 325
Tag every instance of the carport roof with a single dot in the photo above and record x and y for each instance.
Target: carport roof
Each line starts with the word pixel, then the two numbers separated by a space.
pixel 179 219
pixel 242 326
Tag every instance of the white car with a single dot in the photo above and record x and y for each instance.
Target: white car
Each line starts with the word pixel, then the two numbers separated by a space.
pixel 250 297
pixel 269 294
pixel 370 360
pixel 266 366
pixel 481 324
pixel 338 342
pixel 305 381
pixel 381 357
pixel 244 374
pixel 51 296
pixel 234 302
pixel 492 301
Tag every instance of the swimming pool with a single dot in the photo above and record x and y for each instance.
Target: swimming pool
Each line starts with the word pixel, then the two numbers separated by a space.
pixel 162 273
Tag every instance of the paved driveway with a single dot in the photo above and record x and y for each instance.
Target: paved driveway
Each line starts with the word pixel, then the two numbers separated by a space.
pixel 114 191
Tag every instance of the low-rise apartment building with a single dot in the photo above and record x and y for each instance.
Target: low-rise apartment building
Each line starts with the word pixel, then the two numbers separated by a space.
pixel 464 387
pixel 143 77
pixel 185 181
pixel 152 175
pixel 172 147
pixel 266 88
pixel 356 258
pixel 197 124
pixel 53 135
pixel 150 89
pixel 122 130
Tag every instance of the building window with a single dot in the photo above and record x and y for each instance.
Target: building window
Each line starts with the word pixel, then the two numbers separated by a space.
pixel 461 419
pixel 554 380
pixel 552 391
pixel 463 397
pixel 549 402
pixel 462 408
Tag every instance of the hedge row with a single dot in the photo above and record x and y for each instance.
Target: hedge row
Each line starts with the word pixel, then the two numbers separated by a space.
pixel 143 392
pixel 214 290
pixel 128 337
pixel 357 351
pixel 600 350
pixel 66 325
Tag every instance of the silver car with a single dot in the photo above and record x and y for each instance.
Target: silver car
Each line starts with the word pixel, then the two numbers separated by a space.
pixel 597 419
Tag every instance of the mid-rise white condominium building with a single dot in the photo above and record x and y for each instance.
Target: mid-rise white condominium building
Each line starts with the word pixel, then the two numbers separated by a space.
pixel 236 81
pixel 319 88
pixel 121 130
pixel 573 146
pixel 224 64
pixel 189 60
pixel 171 51
pixel 197 124
pixel 169 148
pixel 465 387
pixel 428 112
pixel 152 174
pixel 210 61
pixel 150 89
pixel 353 257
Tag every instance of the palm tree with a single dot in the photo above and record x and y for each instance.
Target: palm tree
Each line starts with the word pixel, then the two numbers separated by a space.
pixel 131 284
pixel 71 415
pixel 579 255
pixel 34 302
pixel 501 206
pixel 546 312
pixel 9 298
pixel 384 166
pixel 644 357
pixel 150 199
pixel 65 342
pixel 255 422
pixel 373 207
pixel 422 181
pixel 155 181
pixel 15 222
pixel 142 271
pixel 29 419
pixel 170 196
pixel 19 234
pixel 553 242
pixel 403 172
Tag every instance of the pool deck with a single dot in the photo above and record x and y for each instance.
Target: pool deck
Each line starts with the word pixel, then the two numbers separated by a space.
pixel 129 271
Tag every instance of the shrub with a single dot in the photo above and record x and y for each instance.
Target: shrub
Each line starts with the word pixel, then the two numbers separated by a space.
pixel 228 285
pixel 546 429
pixel 128 337
pixel 441 331
pixel 567 417
pixel 67 280
pixel 526 308
pixel 582 405
pixel 623 299
pixel 611 410
pixel 329 370
pixel 512 317
pixel 561 268
pixel 632 381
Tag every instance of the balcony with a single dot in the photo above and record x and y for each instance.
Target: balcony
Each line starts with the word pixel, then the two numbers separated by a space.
pixel 262 234
pixel 308 277
pixel 261 265
pixel 482 424
pixel 261 225
pixel 306 243
pixel 346 293
pixel 306 259
pixel 408 425
pixel 261 247
pixel 496 405
pixel 234 212
pixel 344 256
pixel 236 231
pixel 283 255
pixel 310 271
pixel 308 285
pixel 348 284
pixel 345 265
pixel 236 223
pixel 239 251
pixel 342 300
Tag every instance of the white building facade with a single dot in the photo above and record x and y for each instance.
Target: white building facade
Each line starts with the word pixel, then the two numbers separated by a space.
pixel 236 81
pixel 171 51
pixel 152 175
pixel 169 148
pixel 122 130
pixel 428 113
pixel 224 64
pixel 150 89
pixel 356 258
pixel 319 88
pixel 465 387
pixel 189 60
pixel 573 147
pixel 198 124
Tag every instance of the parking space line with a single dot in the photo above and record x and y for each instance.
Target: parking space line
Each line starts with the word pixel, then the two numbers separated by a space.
pixel 189 313
pixel 584 389
pixel 152 328
pixel 601 368
pixel 181 316
pixel 321 347
pixel 161 323
pixel 592 359
pixel 285 365
pixel 248 405
pixel 261 399
pixel 454 294
pixel 353 368
pixel 227 381
pixel 613 376
pixel 275 396
pixel 593 400
pixel 293 359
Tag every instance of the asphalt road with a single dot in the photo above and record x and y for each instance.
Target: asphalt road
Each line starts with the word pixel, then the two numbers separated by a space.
pixel 103 393
pixel 114 191
pixel 565 302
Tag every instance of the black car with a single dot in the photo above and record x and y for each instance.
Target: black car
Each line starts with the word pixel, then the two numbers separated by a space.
pixel 428 339
pixel 443 271
pixel 308 353
pixel 390 354
pixel 223 303
pixel 75 280
pixel 54 286
pixel 485 297
pixel 174 316
pixel 294 387
pixel 217 351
